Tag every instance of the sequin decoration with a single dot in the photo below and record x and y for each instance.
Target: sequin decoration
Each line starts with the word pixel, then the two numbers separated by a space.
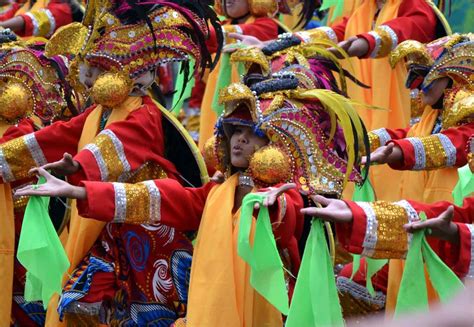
pixel 18 155
pixel 111 89
pixel 392 241
pixel 270 165
pixel 439 151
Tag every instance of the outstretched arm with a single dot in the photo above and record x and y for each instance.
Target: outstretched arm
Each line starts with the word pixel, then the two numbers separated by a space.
pixel 160 201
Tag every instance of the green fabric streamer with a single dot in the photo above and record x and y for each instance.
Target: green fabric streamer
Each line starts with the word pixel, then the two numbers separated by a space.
pixel 373 266
pixel 40 251
pixel 266 267
pixel 366 193
pixel 464 186
pixel 315 300
pixel 224 80
pixel 338 7
pixel 413 294
pixel 178 100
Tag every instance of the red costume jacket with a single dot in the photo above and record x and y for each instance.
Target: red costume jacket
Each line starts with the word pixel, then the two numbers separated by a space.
pixel 416 21
pixel 167 202
pixel 377 231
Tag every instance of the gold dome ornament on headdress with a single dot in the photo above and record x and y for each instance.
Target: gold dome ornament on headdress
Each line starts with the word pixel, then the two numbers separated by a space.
pixel 414 51
pixel 111 89
pixel 270 165
pixel 262 8
pixel 16 102
pixel 314 135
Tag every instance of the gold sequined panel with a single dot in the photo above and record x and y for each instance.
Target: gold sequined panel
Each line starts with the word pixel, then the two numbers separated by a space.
pixel 250 56
pixel 315 34
pixel 392 240
pixel 138 202
pixel 230 29
pixel 436 156
pixel 41 23
pixel 460 111
pixel 110 157
pixel 19 203
pixel 148 171
pixel 18 157
pixel 385 43
pixel 374 141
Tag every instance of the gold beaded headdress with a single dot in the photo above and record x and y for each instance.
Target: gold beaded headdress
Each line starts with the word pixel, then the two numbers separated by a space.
pixel 30 83
pixel 456 61
pixel 271 8
pixel 311 134
pixel 312 64
pixel 260 8
pixel 168 33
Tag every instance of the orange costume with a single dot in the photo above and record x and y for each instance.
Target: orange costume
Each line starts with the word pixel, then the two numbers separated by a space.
pixel 384 29
pixel 258 24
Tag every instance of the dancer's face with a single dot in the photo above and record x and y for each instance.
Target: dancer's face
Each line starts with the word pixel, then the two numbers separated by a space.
pixel 88 74
pixel 236 8
pixel 243 144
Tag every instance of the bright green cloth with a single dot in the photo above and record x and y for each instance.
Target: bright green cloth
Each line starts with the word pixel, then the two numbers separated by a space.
pixel 464 186
pixel 413 294
pixel 223 80
pixel 366 193
pixel 338 7
pixel 179 96
pixel 315 301
pixel 41 253
pixel 266 267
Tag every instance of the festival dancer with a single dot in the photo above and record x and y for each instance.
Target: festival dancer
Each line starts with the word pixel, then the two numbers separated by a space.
pixel 249 17
pixel 263 139
pixel 439 78
pixel 120 138
pixel 374 28
pixel 34 93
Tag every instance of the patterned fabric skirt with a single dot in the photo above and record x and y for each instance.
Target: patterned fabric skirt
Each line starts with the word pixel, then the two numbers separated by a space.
pixel 133 275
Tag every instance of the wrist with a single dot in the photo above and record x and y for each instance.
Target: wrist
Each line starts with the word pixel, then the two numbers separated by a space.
pixel 78 192
pixel 396 157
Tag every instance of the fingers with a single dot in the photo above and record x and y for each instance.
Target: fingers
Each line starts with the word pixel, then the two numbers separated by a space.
pixel 286 187
pixel 320 199
pixel 236 36
pixel 336 53
pixel 23 191
pixel 416 226
pixel 256 206
pixel 363 160
pixel 316 212
pixel 447 215
pixel 67 157
pixel 388 149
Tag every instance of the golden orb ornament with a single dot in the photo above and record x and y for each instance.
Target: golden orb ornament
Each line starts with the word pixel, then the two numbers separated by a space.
pixel 211 158
pixel 270 165
pixel 111 89
pixel 15 102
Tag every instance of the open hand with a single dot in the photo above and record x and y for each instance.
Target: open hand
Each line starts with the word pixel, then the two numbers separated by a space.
pixel 441 227
pixel 53 187
pixel 387 154
pixel 354 46
pixel 274 192
pixel 333 210
pixel 64 167
pixel 344 45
